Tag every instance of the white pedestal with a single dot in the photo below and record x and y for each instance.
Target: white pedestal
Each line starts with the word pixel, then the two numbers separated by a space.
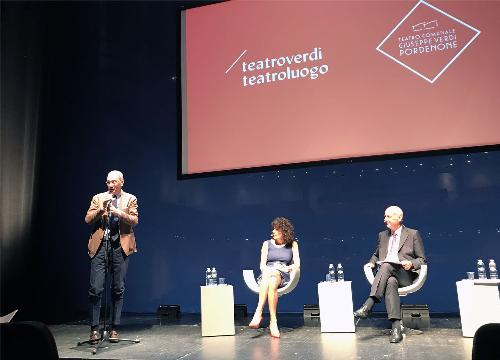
pixel 479 303
pixel 217 310
pixel 335 306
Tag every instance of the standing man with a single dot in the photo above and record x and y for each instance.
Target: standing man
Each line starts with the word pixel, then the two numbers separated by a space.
pixel 112 214
pixel 399 252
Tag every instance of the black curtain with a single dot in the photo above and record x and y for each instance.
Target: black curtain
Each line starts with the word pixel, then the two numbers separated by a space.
pixel 22 63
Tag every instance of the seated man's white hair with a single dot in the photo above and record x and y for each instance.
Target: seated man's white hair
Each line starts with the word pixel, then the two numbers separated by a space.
pixel 393 209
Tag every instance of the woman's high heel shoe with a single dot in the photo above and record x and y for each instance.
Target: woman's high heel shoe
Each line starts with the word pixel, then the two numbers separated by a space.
pixel 273 328
pixel 255 323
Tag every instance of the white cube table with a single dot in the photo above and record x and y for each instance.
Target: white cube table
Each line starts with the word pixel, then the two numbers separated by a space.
pixel 335 306
pixel 217 310
pixel 479 303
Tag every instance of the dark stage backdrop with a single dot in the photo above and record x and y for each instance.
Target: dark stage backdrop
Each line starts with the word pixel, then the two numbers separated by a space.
pixel 109 101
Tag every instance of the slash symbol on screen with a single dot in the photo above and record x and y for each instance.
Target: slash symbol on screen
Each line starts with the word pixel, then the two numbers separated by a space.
pixel 235 61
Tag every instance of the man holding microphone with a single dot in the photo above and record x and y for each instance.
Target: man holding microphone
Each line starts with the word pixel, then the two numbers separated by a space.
pixel 112 215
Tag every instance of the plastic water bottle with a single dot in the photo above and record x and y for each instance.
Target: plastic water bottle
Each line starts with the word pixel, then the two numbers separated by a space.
pixel 214 276
pixel 208 275
pixel 493 269
pixel 340 272
pixel 481 271
pixel 331 272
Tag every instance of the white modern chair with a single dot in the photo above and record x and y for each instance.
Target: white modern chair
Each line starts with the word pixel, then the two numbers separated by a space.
pixel 403 291
pixel 252 284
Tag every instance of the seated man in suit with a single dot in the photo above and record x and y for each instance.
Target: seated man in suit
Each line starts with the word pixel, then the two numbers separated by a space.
pixel 399 251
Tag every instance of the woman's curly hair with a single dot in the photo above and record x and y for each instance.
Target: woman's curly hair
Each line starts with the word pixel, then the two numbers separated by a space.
pixel 285 226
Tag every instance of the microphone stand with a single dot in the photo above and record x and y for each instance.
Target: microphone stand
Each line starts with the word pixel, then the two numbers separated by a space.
pixel 108 255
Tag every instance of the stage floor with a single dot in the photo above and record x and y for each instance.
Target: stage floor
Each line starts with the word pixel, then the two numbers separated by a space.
pixel 181 339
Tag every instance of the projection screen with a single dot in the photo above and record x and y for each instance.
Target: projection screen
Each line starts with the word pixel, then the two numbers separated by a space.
pixel 283 82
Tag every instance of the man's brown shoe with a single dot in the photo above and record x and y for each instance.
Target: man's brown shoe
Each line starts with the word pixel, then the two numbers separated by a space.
pixel 114 337
pixel 94 336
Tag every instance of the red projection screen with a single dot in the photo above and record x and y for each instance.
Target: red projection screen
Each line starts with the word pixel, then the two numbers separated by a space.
pixel 283 82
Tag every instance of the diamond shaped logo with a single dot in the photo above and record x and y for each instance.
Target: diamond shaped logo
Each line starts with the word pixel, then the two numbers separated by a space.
pixel 427 41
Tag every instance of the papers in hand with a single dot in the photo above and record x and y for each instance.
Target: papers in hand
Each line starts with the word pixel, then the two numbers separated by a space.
pixel 390 261
pixel 7 318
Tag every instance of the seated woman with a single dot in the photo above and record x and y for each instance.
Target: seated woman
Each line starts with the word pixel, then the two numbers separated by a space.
pixel 279 256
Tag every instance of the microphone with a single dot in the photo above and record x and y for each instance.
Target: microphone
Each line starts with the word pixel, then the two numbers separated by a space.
pixel 110 198
pixel 110 201
pixel 113 198
pixel 110 216
pixel 107 230
pixel 107 202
